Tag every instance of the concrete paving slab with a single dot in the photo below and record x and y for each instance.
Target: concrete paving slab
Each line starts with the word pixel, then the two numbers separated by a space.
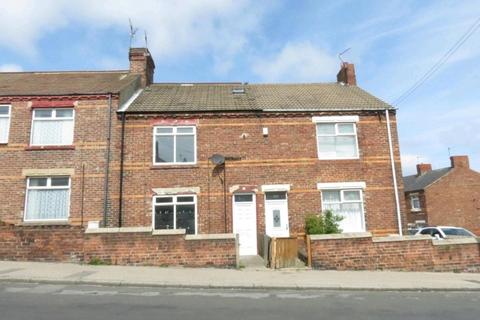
pixel 64 273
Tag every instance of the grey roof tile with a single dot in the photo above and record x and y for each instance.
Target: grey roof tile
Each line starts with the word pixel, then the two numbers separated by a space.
pixel 63 83
pixel 416 183
pixel 257 97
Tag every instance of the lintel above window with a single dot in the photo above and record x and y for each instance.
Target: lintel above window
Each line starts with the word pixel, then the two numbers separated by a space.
pixel 335 119
pixel 341 185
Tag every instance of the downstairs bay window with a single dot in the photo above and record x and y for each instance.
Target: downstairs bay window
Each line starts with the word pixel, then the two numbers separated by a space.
pixel 175 212
pixel 347 202
pixel 47 199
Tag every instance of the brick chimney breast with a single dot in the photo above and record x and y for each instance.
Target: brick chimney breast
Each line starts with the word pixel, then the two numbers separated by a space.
pixel 423 168
pixel 141 63
pixel 347 74
pixel 459 162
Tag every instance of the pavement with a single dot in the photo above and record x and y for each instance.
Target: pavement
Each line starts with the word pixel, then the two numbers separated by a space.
pixel 256 277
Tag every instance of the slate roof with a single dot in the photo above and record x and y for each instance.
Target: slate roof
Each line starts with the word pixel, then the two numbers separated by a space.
pixel 417 183
pixel 63 83
pixel 204 97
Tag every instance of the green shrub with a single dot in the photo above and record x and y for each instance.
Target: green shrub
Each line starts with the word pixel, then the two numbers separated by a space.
pixel 324 223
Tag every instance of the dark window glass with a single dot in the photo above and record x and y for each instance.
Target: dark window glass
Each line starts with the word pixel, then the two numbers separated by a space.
pixel 184 199
pixel 43 113
pixel 186 218
pixel 185 149
pixel 60 182
pixel 426 231
pixel 38 182
pixel 243 198
pixel 277 195
pixel 4 110
pixel 164 200
pixel 164 217
pixel 164 149
pixel 456 232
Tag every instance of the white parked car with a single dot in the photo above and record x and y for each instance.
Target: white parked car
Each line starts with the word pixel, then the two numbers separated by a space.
pixel 445 232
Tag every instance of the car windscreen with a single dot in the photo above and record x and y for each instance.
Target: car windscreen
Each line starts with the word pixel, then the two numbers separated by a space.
pixel 456 232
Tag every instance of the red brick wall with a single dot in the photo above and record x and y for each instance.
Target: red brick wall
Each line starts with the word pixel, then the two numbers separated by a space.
pixel 90 142
pixel 144 249
pixel 367 253
pixel 455 200
pixel 413 216
pixel 71 244
pixel 287 156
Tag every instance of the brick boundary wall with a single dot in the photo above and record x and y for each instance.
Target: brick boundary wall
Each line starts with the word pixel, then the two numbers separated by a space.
pixel 117 246
pixel 361 251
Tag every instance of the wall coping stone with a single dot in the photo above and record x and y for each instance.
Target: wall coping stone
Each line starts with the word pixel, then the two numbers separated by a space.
pixel 212 236
pixel 168 232
pixel 349 235
pixel 119 230
pixel 446 242
pixel 401 238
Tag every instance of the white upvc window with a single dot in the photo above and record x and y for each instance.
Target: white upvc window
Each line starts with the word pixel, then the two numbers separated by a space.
pixel 415 202
pixel 5 115
pixel 47 199
pixel 52 127
pixel 174 145
pixel 337 137
pixel 175 212
pixel 347 203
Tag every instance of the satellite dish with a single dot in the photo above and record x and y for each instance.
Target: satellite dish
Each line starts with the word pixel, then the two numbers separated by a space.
pixel 217 159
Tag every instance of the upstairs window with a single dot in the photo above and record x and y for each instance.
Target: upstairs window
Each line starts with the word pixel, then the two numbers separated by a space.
pixel 4 123
pixel 415 202
pixel 337 137
pixel 175 145
pixel 175 212
pixel 47 198
pixel 52 127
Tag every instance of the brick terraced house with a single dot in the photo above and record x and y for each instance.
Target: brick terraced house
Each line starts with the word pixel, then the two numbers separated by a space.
pixel 446 196
pixel 195 158
pixel 57 143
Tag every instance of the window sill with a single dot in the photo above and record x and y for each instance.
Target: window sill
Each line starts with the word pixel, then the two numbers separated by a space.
pixel 39 148
pixel 45 223
pixel 174 166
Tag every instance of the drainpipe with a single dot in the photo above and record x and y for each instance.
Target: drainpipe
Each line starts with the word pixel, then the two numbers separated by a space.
pixel 107 161
pixel 394 175
pixel 122 156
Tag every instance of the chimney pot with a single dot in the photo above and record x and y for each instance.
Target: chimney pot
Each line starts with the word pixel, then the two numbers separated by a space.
pixel 141 63
pixel 459 162
pixel 423 168
pixel 347 74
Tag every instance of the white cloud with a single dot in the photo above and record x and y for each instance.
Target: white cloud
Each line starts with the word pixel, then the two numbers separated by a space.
pixel 10 67
pixel 297 62
pixel 189 27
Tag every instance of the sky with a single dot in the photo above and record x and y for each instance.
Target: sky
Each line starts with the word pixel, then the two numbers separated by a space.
pixel 392 44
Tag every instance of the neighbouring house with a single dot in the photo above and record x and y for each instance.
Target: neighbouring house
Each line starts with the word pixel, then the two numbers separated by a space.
pixel 58 135
pixel 446 196
pixel 167 173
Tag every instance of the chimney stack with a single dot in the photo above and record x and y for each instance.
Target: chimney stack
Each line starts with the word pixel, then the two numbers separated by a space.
pixel 347 74
pixel 141 63
pixel 459 162
pixel 423 168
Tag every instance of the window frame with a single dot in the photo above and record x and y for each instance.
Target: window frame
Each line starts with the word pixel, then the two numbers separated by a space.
pixel 342 200
pixel 9 117
pixel 54 112
pixel 48 187
pixel 337 134
pixel 174 134
pixel 414 197
pixel 174 203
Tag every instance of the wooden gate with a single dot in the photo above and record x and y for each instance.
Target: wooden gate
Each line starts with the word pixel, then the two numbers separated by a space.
pixel 283 252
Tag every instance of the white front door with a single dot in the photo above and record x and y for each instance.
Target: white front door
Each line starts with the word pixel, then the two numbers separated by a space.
pixel 245 222
pixel 276 214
